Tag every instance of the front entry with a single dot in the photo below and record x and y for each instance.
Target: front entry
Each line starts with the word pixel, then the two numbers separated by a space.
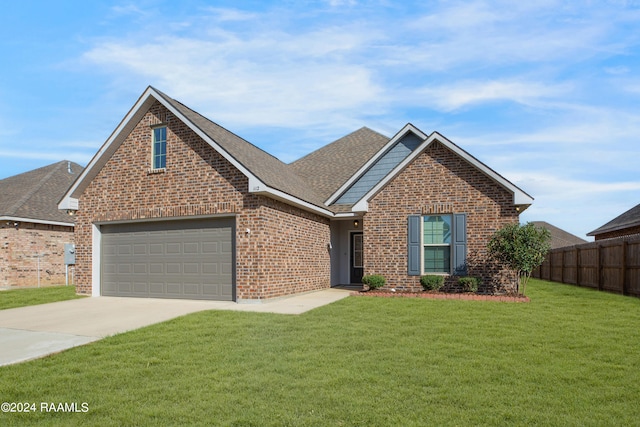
pixel 357 258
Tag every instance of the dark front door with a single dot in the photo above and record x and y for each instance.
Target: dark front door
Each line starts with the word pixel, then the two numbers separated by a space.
pixel 357 258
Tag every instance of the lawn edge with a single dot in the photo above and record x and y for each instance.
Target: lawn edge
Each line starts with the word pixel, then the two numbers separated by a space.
pixel 442 295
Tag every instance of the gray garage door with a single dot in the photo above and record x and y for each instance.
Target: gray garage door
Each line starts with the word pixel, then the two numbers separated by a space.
pixel 169 259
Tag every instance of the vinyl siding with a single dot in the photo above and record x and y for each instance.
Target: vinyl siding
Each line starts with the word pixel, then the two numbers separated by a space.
pixel 380 169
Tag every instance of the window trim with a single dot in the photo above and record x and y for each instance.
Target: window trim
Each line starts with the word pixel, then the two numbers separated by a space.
pixel 460 245
pixel 154 155
pixel 424 245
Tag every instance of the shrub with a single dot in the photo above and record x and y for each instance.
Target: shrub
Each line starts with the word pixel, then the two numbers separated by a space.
pixel 374 281
pixel 520 248
pixel 469 284
pixel 431 282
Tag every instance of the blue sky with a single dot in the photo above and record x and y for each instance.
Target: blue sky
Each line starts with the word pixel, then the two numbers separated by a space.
pixel 545 92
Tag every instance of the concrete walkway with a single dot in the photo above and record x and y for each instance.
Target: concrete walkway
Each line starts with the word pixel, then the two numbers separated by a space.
pixel 36 331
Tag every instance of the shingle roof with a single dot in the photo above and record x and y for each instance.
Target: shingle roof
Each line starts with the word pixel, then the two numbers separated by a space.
pixel 630 218
pixel 308 182
pixel 263 165
pixel 327 168
pixel 559 237
pixel 35 194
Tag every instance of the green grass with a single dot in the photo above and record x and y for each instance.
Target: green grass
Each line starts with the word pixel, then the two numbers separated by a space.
pixel 33 296
pixel 569 357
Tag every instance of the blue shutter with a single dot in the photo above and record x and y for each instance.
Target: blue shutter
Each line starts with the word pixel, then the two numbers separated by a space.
pixel 460 244
pixel 413 243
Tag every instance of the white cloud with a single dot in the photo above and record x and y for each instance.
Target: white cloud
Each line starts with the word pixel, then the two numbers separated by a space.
pixel 340 3
pixel 227 14
pixel 462 36
pixel 53 156
pixel 616 71
pixel 128 9
pixel 461 94
pixel 578 206
pixel 273 79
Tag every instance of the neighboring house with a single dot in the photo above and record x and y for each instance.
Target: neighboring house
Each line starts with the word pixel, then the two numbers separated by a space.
pixel 559 237
pixel 32 229
pixel 173 205
pixel 626 224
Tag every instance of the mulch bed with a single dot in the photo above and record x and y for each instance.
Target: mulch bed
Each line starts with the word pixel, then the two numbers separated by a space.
pixel 442 295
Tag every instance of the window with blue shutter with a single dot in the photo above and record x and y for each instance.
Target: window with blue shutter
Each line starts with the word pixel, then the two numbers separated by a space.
pixel 437 244
pixel 460 244
pixel 414 245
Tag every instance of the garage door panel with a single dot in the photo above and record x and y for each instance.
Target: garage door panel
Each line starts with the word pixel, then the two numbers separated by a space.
pixel 109 287
pixel 227 269
pixel 173 248
pixel 174 289
pixel 156 249
pixel 124 250
pixel 174 268
pixel 109 268
pixel 140 269
pixel 109 250
pixel 171 259
pixel 192 248
pixel 192 289
pixel 156 288
pixel 227 292
pixel 210 268
pixel 124 287
pixel 140 250
pixel 140 288
pixel 155 268
pixel 191 268
pixel 124 269
pixel 210 247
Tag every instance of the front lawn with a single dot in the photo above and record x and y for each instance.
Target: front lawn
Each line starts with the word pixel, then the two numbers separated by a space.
pixel 33 296
pixel 569 357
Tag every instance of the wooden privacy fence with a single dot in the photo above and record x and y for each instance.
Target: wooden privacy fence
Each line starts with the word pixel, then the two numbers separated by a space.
pixel 607 265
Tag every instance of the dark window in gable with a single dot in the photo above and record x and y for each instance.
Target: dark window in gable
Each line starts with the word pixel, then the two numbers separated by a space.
pixel 159 155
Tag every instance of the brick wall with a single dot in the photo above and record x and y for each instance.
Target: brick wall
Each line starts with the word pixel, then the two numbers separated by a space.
pixel 619 233
pixel 198 181
pixel 437 181
pixel 19 250
pixel 285 251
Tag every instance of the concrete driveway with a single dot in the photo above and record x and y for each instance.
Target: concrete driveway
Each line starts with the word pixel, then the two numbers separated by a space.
pixel 36 331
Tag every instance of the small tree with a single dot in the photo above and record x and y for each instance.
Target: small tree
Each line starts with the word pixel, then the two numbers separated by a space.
pixel 520 248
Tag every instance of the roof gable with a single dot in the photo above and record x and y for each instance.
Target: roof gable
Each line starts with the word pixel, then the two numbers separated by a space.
pixel 266 174
pixel 364 169
pixel 520 198
pixel 382 166
pixel 630 218
pixel 34 195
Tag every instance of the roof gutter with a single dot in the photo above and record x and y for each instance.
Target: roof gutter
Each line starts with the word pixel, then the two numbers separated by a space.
pixel 258 187
pixel 36 221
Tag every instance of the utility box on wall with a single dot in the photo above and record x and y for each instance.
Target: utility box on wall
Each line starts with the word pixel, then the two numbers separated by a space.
pixel 69 254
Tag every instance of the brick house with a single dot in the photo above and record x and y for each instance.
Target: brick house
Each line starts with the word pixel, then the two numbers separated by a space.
pixel 625 224
pixel 173 205
pixel 33 231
